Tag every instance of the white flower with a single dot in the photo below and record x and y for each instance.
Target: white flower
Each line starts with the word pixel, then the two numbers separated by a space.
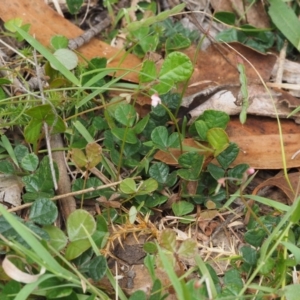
pixel 155 100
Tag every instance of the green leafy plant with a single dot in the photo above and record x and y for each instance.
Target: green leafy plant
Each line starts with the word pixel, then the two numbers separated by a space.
pixel 113 150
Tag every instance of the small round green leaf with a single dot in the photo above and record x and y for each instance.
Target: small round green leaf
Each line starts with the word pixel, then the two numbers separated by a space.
pixel 226 157
pixel 150 247
pixel 174 140
pixel 218 139
pixel 6 167
pixel 140 126
pixel 30 162
pixel 97 267
pixel 177 42
pixel 201 128
pixel 67 57
pixel 187 248
pixel 148 186
pixel 76 248
pixel 43 211
pixel 186 160
pixel 128 186
pixel 233 279
pixel 125 134
pixel 215 171
pixel 159 137
pixel 238 171
pixel 74 6
pixel 225 17
pixel 291 291
pixel 255 236
pixel 11 24
pixel 267 265
pixel 148 72
pixel 59 42
pixel 159 171
pixel 58 239
pixel 177 67
pixel 80 224
pixel 182 208
pixel 125 114
pixel 249 255
pixel 20 152
pixel 138 295
pixel 32 131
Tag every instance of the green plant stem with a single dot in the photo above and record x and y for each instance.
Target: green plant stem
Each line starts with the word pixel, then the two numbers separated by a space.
pixel 88 190
pixel 172 117
pixel 273 237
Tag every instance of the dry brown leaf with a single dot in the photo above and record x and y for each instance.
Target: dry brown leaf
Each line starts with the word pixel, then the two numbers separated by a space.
pixel 208 227
pixel 168 158
pixel 46 23
pixel 191 187
pixel 228 99
pixel 16 274
pixel 10 190
pixel 103 201
pixel 281 183
pixel 259 142
pixel 217 65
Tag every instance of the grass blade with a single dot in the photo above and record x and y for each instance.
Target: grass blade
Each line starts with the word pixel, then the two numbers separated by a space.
pixel 48 55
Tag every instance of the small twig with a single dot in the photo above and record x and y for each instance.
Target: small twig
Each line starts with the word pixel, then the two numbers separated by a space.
pixel 281 61
pixel 71 194
pixel 88 35
pixel 17 52
pixel 67 203
pixel 86 12
pixel 46 128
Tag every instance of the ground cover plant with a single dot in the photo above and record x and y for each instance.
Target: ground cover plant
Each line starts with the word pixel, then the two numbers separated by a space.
pixel 110 191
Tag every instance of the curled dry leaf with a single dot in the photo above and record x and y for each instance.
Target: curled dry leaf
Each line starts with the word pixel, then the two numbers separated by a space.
pixel 208 227
pixel 104 202
pixel 10 189
pixel 281 183
pixel 16 274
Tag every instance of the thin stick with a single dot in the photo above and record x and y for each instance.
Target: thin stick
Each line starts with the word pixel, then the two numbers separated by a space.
pixel 58 197
pixel 46 128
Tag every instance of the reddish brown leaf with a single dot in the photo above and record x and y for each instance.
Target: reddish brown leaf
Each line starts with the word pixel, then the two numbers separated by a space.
pixel 46 23
pixel 259 142
pixel 217 65
pixel 167 158
pixel 281 183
